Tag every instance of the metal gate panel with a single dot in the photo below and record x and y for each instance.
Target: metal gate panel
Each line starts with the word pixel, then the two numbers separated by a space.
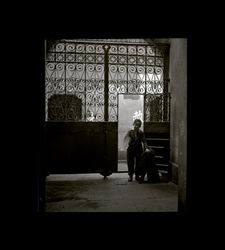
pixel 97 72
pixel 82 83
pixel 74 147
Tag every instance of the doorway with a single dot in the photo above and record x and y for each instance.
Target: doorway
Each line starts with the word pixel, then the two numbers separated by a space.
pixel 130 107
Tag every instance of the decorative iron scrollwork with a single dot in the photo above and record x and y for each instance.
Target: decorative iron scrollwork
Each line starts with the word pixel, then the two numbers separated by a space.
pixel 64 108
pixel 78 69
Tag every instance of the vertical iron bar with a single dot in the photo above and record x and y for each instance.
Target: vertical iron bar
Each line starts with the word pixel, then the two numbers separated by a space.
pixel 165 83
pixel 65 104
pixel 106 105
pixel 136 66
pixel 65 66
pixel 144 115
pixel 127 68
pixel 106 80
pixel 46 103
pixel 85 78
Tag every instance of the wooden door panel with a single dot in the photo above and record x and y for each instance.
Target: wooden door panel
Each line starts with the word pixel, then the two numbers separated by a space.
pixel 74 147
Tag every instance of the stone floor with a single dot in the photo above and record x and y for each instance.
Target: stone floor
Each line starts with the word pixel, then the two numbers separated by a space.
pixel 93 193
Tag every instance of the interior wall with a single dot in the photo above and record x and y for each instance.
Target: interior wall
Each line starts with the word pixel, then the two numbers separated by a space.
pixel 178 116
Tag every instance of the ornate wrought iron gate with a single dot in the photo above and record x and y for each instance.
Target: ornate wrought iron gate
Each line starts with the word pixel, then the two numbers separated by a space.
pixel 97 71
pixel 83 80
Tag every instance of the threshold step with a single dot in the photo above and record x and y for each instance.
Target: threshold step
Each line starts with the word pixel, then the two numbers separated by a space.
pixel 162 165
pixel 157 139
pixel 163 171
pixel 159 157
pixel 156 146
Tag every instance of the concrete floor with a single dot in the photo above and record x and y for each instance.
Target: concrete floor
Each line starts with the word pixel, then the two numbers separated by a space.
pixel 93 193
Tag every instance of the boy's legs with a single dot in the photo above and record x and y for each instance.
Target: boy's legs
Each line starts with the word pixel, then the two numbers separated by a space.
pixel 138 167
pixel 130 164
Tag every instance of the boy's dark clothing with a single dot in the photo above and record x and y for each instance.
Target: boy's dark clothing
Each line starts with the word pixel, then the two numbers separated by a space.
pixel 134 151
